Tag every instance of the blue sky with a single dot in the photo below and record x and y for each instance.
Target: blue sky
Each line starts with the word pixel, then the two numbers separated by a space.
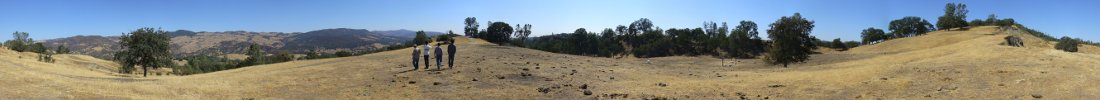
pixel 47 19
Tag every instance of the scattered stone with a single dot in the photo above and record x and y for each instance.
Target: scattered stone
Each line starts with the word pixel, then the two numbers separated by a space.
pixel 584 86
pixel 412 82
pixel 475 79
pixel 536 67
pixel 436 83
pixel 662 84
pixel 1014 41
pixel 612 77
pixel 775 86
pixel 524 69
pixel 544 90
pixel 882 78
pixel 587 92
pixel 1036 96
pixel 500 77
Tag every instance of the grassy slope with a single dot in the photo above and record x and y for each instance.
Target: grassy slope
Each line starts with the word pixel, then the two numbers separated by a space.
pixel 940 65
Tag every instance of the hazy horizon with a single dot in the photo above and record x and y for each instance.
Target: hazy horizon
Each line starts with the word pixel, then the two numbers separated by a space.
pixel 49 19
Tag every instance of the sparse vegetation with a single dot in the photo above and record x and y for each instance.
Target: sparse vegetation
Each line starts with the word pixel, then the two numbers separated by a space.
pixel 20 42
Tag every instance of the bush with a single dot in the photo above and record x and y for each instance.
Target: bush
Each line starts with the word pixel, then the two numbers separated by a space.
pixel 1067 44
pixel 344 53
pixel 204 64
pixel 20 42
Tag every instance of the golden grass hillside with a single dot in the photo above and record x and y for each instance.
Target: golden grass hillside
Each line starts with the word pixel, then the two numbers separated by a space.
pixel 940 65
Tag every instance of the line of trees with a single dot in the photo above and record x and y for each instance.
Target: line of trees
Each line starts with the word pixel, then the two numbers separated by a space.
pixel 791 41
pixel 22 42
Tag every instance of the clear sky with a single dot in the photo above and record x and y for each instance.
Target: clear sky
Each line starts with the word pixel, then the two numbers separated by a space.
pixel 47 19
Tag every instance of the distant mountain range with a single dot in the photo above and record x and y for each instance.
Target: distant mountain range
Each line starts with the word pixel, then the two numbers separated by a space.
pixel 185 43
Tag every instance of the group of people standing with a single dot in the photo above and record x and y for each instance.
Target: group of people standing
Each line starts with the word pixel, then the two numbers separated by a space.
pixel 427 51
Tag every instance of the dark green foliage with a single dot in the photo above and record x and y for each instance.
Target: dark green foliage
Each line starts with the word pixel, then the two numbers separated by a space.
pixel 745 41
pixel 851 44
pixel 255 56
pixel 1067 44
pixel 20 42
pixel 872 35
pixel 344 53
pixel 993 21
pixel 471 27
pixel 203 64
pixel 421 38
pixel 61 49
pixel 522 32
pixel 445 37
pixel 580 42
pixel 43 54
pixel 954 17
pixel 1037 33
pixel 146 47
pixel 631 33
pixel 791 40
pixel 910 26
pixel 38 48
pixel 839 45
pixel 499 33
pixel 282 56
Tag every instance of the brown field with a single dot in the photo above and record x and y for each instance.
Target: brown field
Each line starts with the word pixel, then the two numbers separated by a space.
pixel 940 65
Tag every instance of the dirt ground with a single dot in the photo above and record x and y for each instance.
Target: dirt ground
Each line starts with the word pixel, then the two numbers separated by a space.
pixel 940 65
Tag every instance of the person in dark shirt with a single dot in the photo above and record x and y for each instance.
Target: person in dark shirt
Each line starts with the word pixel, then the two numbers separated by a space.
pixel 451 54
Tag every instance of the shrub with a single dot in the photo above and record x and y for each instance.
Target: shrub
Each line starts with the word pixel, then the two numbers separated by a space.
pixel 1067 44
pixel 344 53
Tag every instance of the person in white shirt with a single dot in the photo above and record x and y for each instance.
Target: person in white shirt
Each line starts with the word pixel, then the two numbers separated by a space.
pixel 416 57
pixel 427 48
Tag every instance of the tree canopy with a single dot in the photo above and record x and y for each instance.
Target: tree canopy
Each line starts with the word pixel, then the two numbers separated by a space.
pixel 145 47
pixel 791 40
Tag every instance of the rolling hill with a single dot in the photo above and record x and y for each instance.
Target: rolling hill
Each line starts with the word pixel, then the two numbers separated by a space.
pixel 186 42
pixel 968 64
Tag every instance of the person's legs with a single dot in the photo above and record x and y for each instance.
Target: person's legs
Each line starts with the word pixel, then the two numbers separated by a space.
pixel 438 62
pixel 427 62
pixel 451 61
pixel 415 64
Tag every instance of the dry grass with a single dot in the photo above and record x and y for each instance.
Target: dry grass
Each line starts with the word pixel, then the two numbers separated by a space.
pixel 940 65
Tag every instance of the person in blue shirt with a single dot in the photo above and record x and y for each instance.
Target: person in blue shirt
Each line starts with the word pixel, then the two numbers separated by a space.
pixel 438 56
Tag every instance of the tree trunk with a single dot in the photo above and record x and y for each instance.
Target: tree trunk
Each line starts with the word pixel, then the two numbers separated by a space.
pixel 784 65
pixel 146 73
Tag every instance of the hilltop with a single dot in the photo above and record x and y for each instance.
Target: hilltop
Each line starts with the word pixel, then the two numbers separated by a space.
pixel 968 64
